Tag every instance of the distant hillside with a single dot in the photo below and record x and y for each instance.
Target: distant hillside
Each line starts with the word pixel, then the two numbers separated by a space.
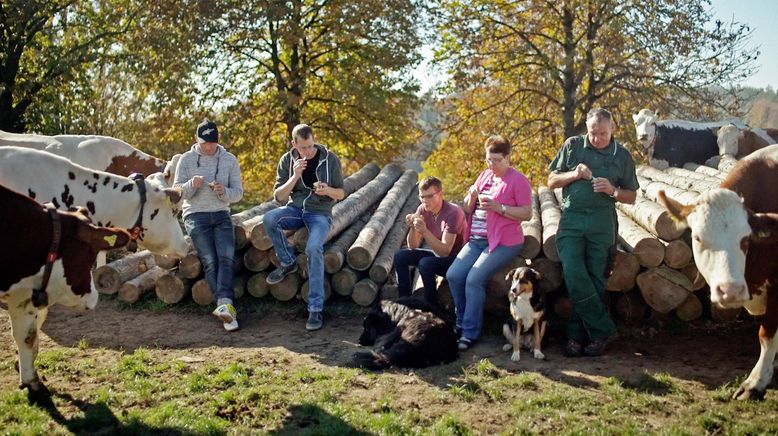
pixel 763 109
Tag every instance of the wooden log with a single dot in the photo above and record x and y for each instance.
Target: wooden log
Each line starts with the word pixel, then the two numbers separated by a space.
pixel 559 195
pixel 287 288
pixel 172 287
pixel 625 269
pixel 131 290
pixel 261 240
pixel 365 292
pixel 345 212
pixel 302 265
pixel 306 289
pixel 533 231
pixel 390 291
pixel 678 254
pixel 202 293
pixel 693 274
pixel 648 250
pixel 360 178
pixel 690 309
pixel 551 277
pixel 631 308
pixel 344 280
pixel 239 286
pixel 550 214
pixel 689 174
pixel 704 169
pixel 241 217
pixel 663 288
pixel 713 162
pixel 335 255
pixel 384 260
pixel 683 183
pixel 109 277
pixel 363 251
pixel 241 237
pixel 190 266
pixel 257 285
pixel 653 217
pixel 166 262
pixel 274 260
pixel 650 190
pixel 256 260
pixel 726 163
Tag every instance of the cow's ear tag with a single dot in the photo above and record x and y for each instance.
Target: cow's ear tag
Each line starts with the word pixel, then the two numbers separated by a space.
pixel 763 234
pixel 111 240
pixel 169 202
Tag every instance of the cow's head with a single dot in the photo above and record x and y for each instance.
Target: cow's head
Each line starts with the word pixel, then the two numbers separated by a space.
pixel 161 232
pixel 722 230
pixel 170 169
pixel 728 138
pixel 645 127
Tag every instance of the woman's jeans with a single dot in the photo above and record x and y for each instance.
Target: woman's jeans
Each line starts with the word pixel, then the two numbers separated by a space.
pixel 319 225
pixel 214 238
pixel 468 276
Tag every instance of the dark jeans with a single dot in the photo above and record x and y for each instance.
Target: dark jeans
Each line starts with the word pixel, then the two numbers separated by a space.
pixel 429 266
pixel 214 238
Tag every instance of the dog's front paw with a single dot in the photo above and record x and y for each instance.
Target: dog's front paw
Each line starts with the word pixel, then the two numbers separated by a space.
pixel 539 355
pixel 516 356
pixel 507 347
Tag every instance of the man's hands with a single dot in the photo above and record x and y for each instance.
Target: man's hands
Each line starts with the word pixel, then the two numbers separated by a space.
pixel 299 167
pixel 583 172
pixel 416 222
pixel 199 181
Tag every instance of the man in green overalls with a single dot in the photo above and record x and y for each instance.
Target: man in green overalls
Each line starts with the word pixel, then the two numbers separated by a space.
pixel 595 172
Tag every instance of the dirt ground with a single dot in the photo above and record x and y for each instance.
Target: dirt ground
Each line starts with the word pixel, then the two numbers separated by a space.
pixel 710 354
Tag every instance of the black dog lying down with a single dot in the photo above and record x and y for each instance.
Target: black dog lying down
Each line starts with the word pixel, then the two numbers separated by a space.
pixel 408 333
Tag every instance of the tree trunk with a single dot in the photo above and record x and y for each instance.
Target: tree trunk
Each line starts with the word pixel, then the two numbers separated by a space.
pixel 648 250
pixel 287 288
pixel 356 181
pixel 690 309
pixel 245 221
pixel 202 293
pixel 306 289
pixel 663 289
pixel 335 256
pixel 344 280
pixel 693 175
pixel 133 289
pixel 550 215
pixel 274 260
pixel 686 184
pixel 533 231
pixel 108 278
pixel 704 169
pixel 165 262
pixel 693 274
pixel 261 240
pixel 365 292
pixel 653 217
pixel 362 253
pixel 348 210
pixel 257 285
pixel 650 190
pixel 172 287
pixel 302 265
pixel 384 260
pixel 677 254
pixel 256 260
pixel 625 269
pixel 551 277
pixel 190 266
pixel 390 292
pixel 631 308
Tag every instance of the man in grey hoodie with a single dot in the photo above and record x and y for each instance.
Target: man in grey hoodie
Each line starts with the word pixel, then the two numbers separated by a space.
pixel 309 180
pixel 209 176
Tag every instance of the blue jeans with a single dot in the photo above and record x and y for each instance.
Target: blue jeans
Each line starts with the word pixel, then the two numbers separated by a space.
pixel 319 225
pixel 468 276
pixel 429 265
pixel 214 238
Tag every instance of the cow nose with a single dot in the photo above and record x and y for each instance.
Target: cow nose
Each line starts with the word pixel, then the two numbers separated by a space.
pixel 643 137
pixel 732 293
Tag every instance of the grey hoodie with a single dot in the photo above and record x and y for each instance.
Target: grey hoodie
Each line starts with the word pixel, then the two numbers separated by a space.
pixel 221 167
pixel 328 170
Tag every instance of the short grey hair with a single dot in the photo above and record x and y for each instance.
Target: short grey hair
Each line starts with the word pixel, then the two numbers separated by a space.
pixel 302 131
pixel 598 114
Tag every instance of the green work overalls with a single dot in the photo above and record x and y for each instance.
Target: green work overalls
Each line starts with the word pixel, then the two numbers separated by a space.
pixel 587 232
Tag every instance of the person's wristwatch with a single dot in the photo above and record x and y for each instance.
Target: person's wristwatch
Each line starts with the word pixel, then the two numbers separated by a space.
pixel 503 209
pixel 615 193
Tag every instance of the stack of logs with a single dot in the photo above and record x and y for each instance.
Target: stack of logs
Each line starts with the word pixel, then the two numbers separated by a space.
pixel 654 273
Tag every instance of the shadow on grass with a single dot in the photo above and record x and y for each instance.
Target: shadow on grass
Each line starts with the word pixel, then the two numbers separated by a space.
pixel 97 417
pixel 647 384
pixel 304 419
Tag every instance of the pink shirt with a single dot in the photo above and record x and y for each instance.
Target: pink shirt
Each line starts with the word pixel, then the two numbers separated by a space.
pixel 450 219
pixel 513 190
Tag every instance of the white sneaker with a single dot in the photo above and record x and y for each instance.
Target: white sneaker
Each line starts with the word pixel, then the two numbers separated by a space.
pixel 228 315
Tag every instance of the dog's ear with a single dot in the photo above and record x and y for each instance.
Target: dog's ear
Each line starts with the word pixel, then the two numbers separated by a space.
pixel 510 275
pixel 536 274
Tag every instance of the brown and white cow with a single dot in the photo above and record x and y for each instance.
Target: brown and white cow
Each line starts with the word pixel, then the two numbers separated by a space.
pixel 93 151
pixel 734 240
pixel 26 230
pixel 739 142
pixel 111 200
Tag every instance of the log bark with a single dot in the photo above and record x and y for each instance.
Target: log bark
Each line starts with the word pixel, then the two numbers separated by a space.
pixel 165 262
pixel 344 280
pixel 109 277
pixel 302 265
pixel 172 287
pixel 390 292
pixel 365 292
pixel 257 285
pixel 663 288
pixel 678 254
pixel 648 250
pixel 274 260
pixel 335 256
pixel 190 266
pixel 287 288
pixel 306 289
pixel 550 214
pixel 652 217
pixel 650 190
pixel 533 231
pixel 239 286
pixel 551 277
pixel 131 290
pixel 713 162
pixel 683 183
pixel 356 181
pixel 693 175
pixel 245 222
pixel 384 260
pixel 693 274
pixel 690 309
pixel 202 293
pixel 631 308
pixel 625 269
pixel 704 169
pixel 256 260
pixel 363 251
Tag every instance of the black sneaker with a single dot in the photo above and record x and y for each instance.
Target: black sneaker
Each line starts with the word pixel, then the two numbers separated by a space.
pixel 315 321
pixel 573 348
pixel 597 348
pixel 280 273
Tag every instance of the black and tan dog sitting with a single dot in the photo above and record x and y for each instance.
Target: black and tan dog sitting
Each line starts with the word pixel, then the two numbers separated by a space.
pixel 526 304
pixel 407 333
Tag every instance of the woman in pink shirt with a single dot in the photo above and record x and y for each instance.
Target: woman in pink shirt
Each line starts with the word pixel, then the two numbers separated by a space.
pixel 497 203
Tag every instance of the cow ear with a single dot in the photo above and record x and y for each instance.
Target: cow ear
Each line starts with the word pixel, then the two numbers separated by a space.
pixel 174 194
pixel 678 211
pixel 764 227
pixel 635 118
pixel 103 238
